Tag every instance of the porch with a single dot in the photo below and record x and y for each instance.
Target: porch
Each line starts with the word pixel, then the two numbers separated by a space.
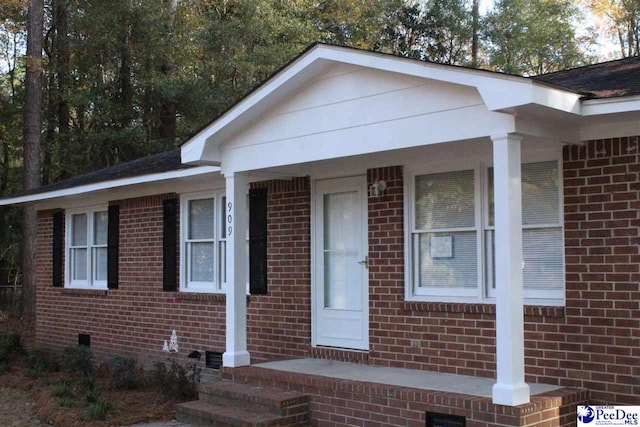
pixel 413 188
pixel 343 393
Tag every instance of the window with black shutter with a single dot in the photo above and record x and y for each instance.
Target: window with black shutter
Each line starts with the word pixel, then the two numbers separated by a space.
pixel 113 246
pixel 58 222
pixel 258 241
pixel 169 242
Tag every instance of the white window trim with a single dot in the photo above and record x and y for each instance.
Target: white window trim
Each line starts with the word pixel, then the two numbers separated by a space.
pixel 90 282
pixel 467 293
pixel 199 286
pixel 219 285
pixel 482 293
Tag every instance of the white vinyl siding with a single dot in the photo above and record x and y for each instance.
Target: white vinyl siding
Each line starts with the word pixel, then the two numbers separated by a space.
pixel 86 259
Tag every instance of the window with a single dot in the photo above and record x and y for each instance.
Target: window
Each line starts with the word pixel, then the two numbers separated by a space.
pixel 452 234
pixel 201 242
pixel 445 234
pixel 87 248
pixel 542 241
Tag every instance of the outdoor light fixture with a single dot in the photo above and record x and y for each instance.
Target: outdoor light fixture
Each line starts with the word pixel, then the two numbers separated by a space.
pixel 377 188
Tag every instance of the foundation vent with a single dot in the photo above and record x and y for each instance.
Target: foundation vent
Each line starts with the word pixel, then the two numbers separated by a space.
pixel 84 339
pixel 213 359
pixel 445 420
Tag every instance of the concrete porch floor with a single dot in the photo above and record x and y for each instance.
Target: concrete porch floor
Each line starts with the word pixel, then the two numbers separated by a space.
pixel 452 383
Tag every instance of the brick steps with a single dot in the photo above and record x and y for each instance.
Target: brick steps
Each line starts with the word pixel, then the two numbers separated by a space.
pixel 225 403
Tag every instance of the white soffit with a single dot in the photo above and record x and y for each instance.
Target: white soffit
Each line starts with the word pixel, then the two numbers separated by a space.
pixel 500 92
pixel 106 185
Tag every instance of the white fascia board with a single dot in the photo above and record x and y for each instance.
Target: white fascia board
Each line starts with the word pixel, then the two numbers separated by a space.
pixel 205 146
pixel 594 107
pixel 105 185
pixel 499 92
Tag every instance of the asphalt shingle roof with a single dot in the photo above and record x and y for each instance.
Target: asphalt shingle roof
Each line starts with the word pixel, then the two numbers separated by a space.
pixel 162 162
pixel 604 80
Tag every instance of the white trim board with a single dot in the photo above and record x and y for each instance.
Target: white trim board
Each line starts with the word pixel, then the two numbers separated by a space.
pixel 106 185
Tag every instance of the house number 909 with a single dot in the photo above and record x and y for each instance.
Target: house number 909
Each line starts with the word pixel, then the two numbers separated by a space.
pixel 229 219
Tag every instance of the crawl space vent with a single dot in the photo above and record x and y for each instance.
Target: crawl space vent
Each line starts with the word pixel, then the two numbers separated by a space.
pixel 213 359
pixel 444 420
pixel 84 339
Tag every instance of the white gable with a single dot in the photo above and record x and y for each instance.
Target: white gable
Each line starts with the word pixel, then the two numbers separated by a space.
pixel 334 102
pixel 355 110
pixel 359 98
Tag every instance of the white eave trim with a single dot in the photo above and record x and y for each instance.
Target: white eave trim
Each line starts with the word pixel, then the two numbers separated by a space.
pixel 595 107
pixel 500 92
pixel 106 185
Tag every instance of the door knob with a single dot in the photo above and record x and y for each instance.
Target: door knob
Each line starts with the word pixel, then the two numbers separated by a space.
pixel 364 262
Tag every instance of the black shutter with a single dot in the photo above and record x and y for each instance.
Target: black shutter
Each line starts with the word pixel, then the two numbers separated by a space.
pixel 58 222
pixel 169 245
pixel 113 246
pixel 258 241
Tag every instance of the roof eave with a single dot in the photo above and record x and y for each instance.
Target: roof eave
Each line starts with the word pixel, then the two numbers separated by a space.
pixel 107 185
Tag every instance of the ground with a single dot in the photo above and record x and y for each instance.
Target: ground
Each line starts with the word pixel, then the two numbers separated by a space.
pixel 29 401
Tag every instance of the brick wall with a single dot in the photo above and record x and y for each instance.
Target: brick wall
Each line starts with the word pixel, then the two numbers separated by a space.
pixel 136 318
pixel 452 338
pixel 279 323
pixel 598 346
pixel 591 343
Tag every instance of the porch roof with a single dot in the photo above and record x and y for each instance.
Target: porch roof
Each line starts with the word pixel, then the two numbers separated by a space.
pixel 499 92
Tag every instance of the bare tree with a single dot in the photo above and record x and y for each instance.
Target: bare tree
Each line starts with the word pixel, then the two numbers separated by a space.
pixel 31 152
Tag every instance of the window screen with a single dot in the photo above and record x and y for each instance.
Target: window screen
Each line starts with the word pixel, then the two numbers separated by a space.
pixel 445 240
pixel 542 241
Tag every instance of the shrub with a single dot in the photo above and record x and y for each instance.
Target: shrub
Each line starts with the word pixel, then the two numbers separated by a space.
pixel 10 348
pixel 123 372
pixel 39 362
pixel 91 395
pixel 178 382
pixel 66 403
pixel 62 390
pixel 91 391
pixel 99 410
pixel 77 359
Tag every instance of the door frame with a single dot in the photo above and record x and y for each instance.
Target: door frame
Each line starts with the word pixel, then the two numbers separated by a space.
pixel 315 262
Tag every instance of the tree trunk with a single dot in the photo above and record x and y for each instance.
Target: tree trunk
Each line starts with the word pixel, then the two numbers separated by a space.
pixel 475 29
pixel 31 152
pixel 621 41
pixel 51 91
pixel 167 131
pixel 62 72
pixel 126 88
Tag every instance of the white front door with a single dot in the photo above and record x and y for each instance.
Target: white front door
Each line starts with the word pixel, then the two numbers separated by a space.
pixel 341 291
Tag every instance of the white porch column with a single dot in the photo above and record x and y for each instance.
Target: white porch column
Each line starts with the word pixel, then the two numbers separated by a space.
pixel 235 222
pixel 510 388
